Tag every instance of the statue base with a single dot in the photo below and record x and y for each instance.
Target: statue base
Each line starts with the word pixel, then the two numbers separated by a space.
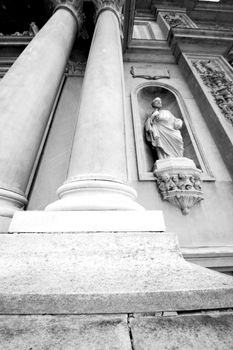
pixel 179 182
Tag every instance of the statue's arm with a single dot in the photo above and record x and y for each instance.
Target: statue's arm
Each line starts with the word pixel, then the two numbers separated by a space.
pixel 148 123
pixel 177 123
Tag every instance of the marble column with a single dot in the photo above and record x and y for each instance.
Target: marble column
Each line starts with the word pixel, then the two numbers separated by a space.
pixel 27 94
pixel 97 177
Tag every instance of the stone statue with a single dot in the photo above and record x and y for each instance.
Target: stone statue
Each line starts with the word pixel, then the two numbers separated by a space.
pixel 177 177
pixel 33 29
pixel 162 131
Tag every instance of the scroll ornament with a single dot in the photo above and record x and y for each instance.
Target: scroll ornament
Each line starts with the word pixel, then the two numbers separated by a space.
pixel 219 85
pixel 178 179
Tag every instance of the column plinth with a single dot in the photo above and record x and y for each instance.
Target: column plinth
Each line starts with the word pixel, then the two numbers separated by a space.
pixel 95 195
pixel 10 202
pixel 27 94
pixel 97 177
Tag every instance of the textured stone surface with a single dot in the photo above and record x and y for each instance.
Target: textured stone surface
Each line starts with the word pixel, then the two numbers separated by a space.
pixel 64 333
pixel 113 332
pixel 104 273
pixel 213 331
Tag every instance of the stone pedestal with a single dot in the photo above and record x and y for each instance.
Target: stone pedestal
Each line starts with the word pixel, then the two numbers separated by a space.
pixel 179 182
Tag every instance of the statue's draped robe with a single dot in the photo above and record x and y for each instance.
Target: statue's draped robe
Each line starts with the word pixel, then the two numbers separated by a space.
pixel 164 134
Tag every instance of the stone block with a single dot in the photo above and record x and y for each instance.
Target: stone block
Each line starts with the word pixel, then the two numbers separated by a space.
pixel 189 332
pixel 64 273
pixel 71 332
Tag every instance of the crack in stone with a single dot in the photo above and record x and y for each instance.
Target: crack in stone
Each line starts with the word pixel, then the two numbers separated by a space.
pixel 130 331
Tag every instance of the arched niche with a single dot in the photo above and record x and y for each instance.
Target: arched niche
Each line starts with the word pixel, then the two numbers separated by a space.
pixel 141 99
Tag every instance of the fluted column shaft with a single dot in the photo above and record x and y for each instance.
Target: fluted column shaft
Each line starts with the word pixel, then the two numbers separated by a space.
pixel 27 94
pixel 97 177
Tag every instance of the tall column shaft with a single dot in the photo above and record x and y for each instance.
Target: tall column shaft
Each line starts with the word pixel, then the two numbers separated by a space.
pixel 99 150
pixel 27 94
pixel 97 177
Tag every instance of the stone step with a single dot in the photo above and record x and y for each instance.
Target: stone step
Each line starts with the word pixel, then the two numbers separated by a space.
pixel 104 272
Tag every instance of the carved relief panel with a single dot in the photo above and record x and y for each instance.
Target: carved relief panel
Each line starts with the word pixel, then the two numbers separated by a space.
pixel 218 82
pixel 173 19
pixel 210 78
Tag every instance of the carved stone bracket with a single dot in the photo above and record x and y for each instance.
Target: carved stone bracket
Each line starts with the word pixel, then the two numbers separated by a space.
pixel 178 181
pixel 219 85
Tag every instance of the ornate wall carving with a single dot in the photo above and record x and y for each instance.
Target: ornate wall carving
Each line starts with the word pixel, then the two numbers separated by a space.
pixel 168 20
pixel 178 19
pixel 218 83
pixel 75 68
pixel 179 182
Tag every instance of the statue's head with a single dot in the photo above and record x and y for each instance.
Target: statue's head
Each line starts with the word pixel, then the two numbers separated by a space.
pixel 157 102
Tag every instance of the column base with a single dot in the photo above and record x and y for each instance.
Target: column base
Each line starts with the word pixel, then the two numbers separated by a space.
pixel 10 202
pixel 95 195
pixel 4 224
